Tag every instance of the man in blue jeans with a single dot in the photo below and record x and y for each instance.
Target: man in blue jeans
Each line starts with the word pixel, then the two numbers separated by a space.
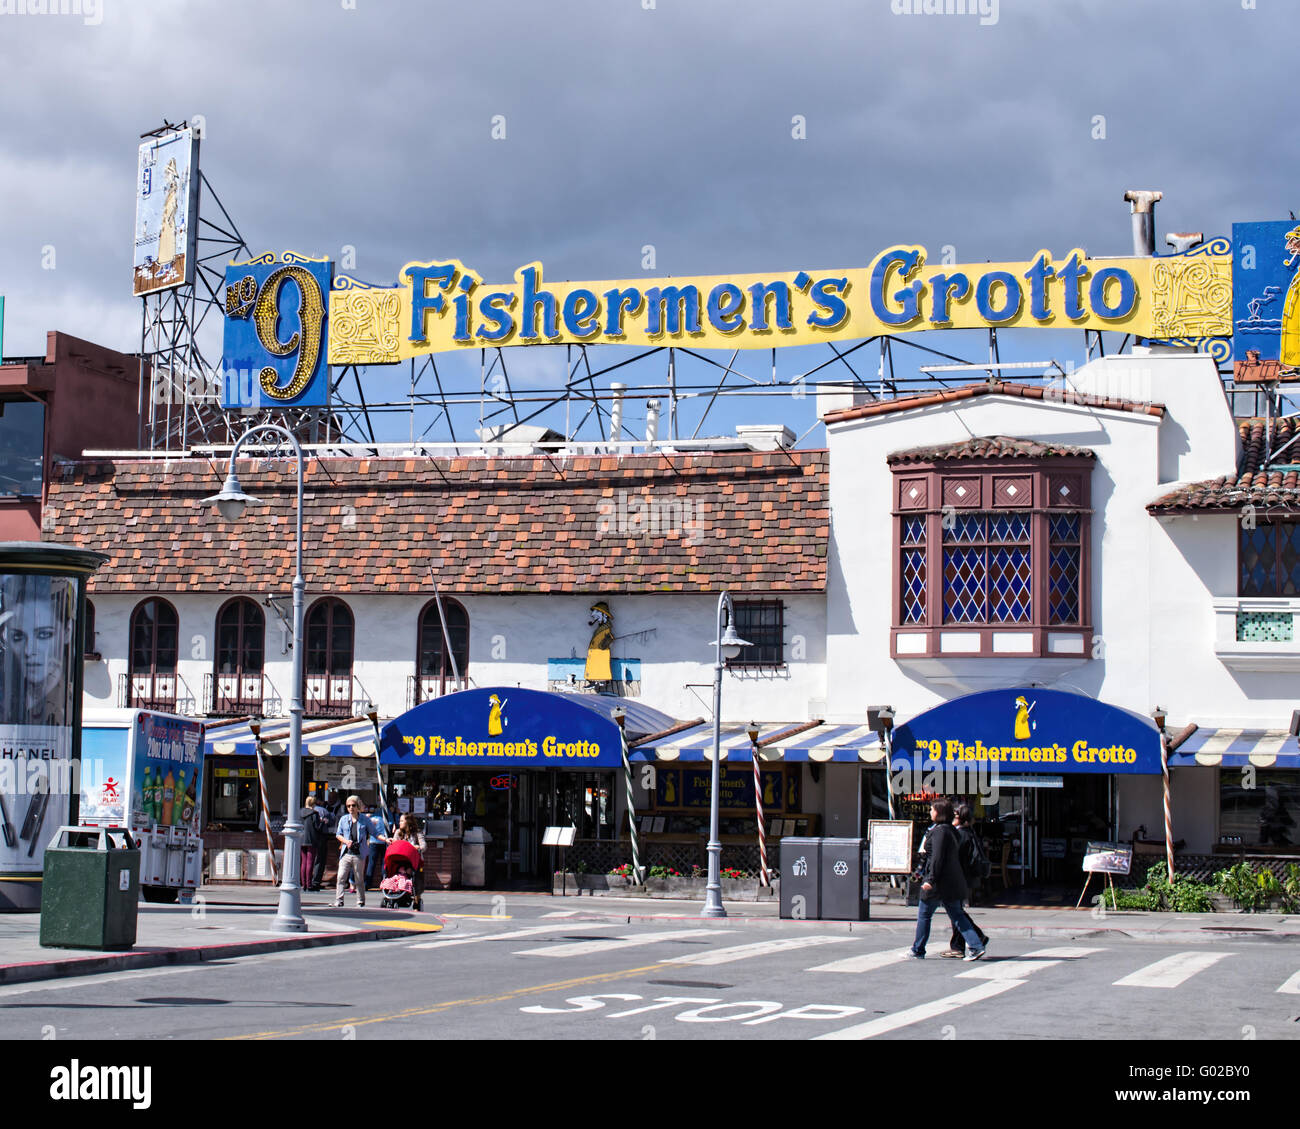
pixel 944 884
pixel 353 835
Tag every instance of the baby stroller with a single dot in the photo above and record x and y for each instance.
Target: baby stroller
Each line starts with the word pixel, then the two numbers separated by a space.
pixel 402 862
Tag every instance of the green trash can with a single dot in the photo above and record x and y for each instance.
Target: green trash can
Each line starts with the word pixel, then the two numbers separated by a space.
pixel 90 890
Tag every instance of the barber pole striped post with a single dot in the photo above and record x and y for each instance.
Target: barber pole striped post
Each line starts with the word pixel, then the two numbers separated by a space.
pixel 266 809
pixel 1169 822
pixel 637 873
pixel 758 807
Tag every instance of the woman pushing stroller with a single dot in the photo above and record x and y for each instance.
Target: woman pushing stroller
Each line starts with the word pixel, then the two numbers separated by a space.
pixel 403 882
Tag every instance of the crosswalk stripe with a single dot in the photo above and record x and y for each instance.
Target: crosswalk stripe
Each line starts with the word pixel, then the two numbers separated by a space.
pixel 561 913
pixel 887 1023
pixel 615 944
pixel 1006 969
pixel 510 935
pixel 1171 971
pixel 1292 986
pixel 1067 952
pixel 758 949
pixel 867 962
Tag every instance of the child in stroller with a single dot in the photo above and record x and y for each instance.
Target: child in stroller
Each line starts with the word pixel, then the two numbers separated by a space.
pixel 402 863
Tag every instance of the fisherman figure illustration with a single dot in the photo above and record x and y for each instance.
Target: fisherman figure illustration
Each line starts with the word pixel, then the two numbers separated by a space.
pixel 1023 710
pixel 602 638
pixel 1289 348
pixel 496 723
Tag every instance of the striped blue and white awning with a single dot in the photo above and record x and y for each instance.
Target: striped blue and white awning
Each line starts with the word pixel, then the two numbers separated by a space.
pixel 1236 748
pixel 827 742
pixel 347 739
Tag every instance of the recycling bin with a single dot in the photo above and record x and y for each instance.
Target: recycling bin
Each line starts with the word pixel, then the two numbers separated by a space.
pixel 801 895
pixel 845 889
pixel 91 888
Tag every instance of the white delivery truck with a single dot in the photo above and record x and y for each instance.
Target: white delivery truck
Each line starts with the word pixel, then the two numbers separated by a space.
pixel 144 771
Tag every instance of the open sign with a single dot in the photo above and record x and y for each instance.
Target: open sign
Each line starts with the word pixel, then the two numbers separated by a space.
pixel 504 782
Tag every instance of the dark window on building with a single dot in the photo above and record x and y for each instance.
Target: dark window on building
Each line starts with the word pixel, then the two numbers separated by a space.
pixel 155 631
pixel 1269 559
pixel 1265 814
pixel 241 638
pixel 329 639
pixel 762 624
pixel 22 447
pixel 433 660
pixel 88 640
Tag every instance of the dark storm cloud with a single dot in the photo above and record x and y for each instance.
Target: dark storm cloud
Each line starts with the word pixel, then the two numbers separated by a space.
pixel 626 126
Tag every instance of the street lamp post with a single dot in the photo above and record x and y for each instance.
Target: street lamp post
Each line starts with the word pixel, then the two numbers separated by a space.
pixel 230 503
pixel 731 643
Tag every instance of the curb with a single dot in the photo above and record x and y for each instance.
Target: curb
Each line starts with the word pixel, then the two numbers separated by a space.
pixel 154 958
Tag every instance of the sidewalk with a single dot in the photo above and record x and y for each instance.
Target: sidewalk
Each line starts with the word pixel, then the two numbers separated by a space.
pixel 209 930
pixel 235 921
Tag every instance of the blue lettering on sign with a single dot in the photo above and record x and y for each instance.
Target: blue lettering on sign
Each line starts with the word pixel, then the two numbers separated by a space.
pixel 1011 300
pixel 905 264
pixel 726 307
pixel 1127 293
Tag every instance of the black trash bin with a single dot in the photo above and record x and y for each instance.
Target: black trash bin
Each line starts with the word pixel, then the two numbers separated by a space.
pixel 845 891
pixel 90 891
pixel 800 884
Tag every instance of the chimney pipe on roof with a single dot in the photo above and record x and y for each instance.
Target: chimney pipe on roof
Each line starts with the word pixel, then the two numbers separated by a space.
pixel 1184 241
pixel 651 421
pixel 616 411
pixel 1144 220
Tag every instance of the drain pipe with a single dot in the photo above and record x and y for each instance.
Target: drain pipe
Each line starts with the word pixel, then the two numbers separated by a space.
pixel 1144 220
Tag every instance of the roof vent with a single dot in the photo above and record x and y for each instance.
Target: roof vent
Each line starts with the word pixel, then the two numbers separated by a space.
pixel 766 436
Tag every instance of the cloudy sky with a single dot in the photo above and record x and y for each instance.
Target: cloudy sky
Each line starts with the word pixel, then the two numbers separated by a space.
pixel 369 124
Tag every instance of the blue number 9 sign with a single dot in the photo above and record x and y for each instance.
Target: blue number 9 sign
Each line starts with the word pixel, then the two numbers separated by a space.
pixel 277 330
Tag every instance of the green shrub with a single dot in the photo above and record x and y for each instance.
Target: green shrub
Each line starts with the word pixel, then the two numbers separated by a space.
pixel 1115 898
pixel 1244 886
pixel 1187 896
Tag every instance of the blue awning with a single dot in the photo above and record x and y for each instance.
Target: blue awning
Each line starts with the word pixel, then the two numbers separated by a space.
pixel 1237 748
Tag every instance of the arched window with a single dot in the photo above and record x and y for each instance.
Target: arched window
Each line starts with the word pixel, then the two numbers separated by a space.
pixel 436 672
pixel 155 631
pixel 328 660
pixel 240 653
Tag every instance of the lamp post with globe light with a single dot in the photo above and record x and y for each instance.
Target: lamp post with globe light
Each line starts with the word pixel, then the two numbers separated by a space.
pixel 231 503
pixel 731 643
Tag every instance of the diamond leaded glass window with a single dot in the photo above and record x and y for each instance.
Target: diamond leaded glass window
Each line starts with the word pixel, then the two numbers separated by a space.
pixel 987 569
pixel 1269 559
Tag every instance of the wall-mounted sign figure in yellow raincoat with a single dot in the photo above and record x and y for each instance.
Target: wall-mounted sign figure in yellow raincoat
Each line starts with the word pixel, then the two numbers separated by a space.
pixel 598 666
pixel 1290 347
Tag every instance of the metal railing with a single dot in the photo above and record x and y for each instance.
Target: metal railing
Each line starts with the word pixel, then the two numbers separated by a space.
pixel 240 695
pixel 166 693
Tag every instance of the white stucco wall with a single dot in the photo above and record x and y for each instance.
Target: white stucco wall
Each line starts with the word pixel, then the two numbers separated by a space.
pixel 511 639
pixel 861 566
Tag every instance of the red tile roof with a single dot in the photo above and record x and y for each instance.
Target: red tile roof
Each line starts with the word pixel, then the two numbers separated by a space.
pixel 1049 393
pixel 1254 371
pixel 1252 484
pixel 991 447
pixel 507 525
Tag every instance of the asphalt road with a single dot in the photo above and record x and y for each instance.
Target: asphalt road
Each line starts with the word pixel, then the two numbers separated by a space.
pixel 534 975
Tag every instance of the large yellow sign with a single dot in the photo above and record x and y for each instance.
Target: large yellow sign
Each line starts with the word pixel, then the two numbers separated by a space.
pixel 442 305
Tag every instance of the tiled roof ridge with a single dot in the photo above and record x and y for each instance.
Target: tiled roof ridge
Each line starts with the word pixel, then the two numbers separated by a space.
pixel 986 388
pixel 992 447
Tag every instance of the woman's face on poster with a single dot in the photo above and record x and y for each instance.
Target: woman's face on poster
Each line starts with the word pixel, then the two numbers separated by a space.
pixel 36 641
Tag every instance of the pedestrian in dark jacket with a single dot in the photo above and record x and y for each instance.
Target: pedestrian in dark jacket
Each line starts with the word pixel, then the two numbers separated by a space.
pixel 965 832
pixel 944 885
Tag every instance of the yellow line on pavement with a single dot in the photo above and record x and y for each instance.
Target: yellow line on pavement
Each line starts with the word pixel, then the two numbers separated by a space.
pixel 413 926
pixel 411 1013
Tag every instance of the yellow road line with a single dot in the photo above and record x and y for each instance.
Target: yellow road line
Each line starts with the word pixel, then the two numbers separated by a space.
pixel 413 926
pixel 411 1013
